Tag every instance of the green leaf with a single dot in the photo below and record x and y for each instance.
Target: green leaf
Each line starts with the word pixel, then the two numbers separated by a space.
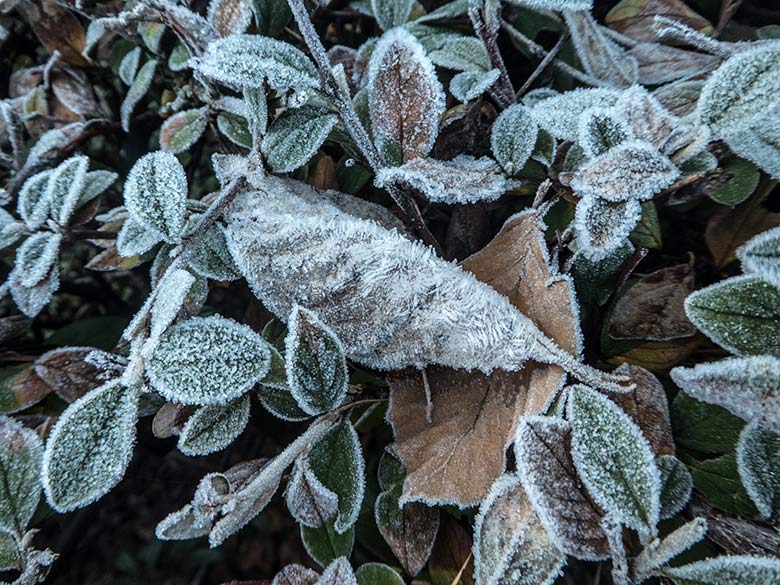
pixel 36 256
pixel 212 428
pixel 337 461
pixel 10 230
pixel 183 129
pixel 614 459
pixel 236 128
pixel 704 427
pixel 728 570
pixel 647 233
pixel 211 257
pixel 391 13
pixel 141 84
pixel 718 481
pixel 741 314
pixel 33 204
pixel 9 552
pixel 90 447
pixel 21 451
pixel 758 463
pixel 676 485
pixel 761 256
pixel 377 574
pixel 741 185
pixel 461 54
pixel 325 545
pixel 469 85
pixel 271 16
pixel 295 136
pixel 513 138
pixel 128 67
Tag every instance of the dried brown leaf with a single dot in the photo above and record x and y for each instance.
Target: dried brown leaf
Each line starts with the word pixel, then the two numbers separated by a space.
pixel 169 420
pixel 661 63
pixel 13 326
pixel 729 228
pixel 230 17
pixel 736 535
pixel 451 555
pixel 57 28
pixel 634 18
pixel 658 356
pixel 109 260
pixel 324 174
pixel 67 373
pixel 74 91
pixel 410 531
pixel 20 388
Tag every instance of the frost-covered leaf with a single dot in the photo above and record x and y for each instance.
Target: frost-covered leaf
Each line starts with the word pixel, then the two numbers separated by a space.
pixel 510 543
pixel 391 13
pixel 635 19
pixel 36 257
pixel 646 118
pixel 9 553
pixel 405 98
pixel 462 54
pixel 600 130
pixel 513 138
pixel 469 85
pixel 229 17
pixel 211 257
pixel 339 572
pixel 560 114
pixel 251 60
pixel 155 194
pixel 90 447
pixel 631 170
pixel 179 58
pixel 377 574
pixel 757 142
pixel 183 129
pixel 207 360
pixel 135 239
pixel 171 294
pixel 295 575
pixel 128 67
pixel 20 386
pixel 745 386
pixel 761 256
pixel 141 84
pixel 295 136
pixel 758 462
pixel 65 186
pixel 676 485
pixel 546 469
pixel 236 128
pixel 325 545
pixel 661 64
pixel 10 229
pixel 602 227
pixel 21 452
pixel 614 460
pixel 741 314
pixel 32 300
pixel 94 184
pixel 727 570
pixel 67 372
pixel 464 179
pixel 212 428
pixel 32 204
pixel 337 462
pixel 559 5
pixel 729 228
pixel 744 87
pixel 308 500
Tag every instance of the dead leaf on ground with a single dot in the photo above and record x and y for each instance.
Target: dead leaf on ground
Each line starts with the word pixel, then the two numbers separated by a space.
pixel 658 356
pixel 324 175
pixel 456 457
pixel 634 18
pixel 729 228
pixel 57 28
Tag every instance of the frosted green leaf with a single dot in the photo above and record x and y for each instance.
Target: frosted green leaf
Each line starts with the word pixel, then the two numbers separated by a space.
pixel 212 428
pixel 469 85
pixel 450 10
pixel 236 128
pixel 172 292
pixel 36 257
pixel 633 169
pixel 315 363
pixel 745 86
pixel 660 552
pixel 741 314
pixel 182 525
pixel 600 130
pixel 141 84
pixel 249 60
pixel 295 575
pixel 183 129
pixel 614 460
pixel 280 403
pixel 560 114
pixel 32 204
pixel 602 227
pixel 90 447
pixel 151 33
pixel 513 138
pixel 745 386
pixel 676 485
pixel 135 239
pixel 21 451
pixel 758 462
pixel 462 54
pixel 156 194
pixel 128 67
pixel 377 574
pixel 464 179
pixel 179 58
pixel 324 544
pixel 758 142
pixel 211 257
pixel 744 177
pixel 10 229
pixel 339 572
pixel 510 543
pixel 65 186
pixel 391 13
pixel 295 136
pixel 545 148
pixel 761 256
pixel 31 300
pixel 271 16
pixel 207 360
pixel 559 5
pixel 308 500
pixel 337 462
pixel 727 570
pixel 9 552
pixel 94 184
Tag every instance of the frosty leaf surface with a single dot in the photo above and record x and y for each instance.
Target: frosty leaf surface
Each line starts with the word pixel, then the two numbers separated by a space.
pixel 94 184
pixel 68 373
pixel 32 300
pixel 758 462
pixel 128 67
pixel 614 459
pixel 172 293
pixel 183 129
pixel 207 360
pixel 464 179
pixel 90 447
pixel 36 256
pixel 391 13
pixel 405 98
pixel 727 570
pixel 600 130
pixel 211 257
pixel 212 428
pixel 602 227
pixel 741 314
pixel 339 572
pixel 758 143
pixel 461 54
pixel 513 138
pixel 32 203
pixel 295 136
pixel 744 86
pixel 9 552
pixel 646 117
pixel 308 500
pixel 247 61
pixel 135 239
pixel 236 128
pixel 324 544
pixel 65 186
pixel 229 17
pixel 761 256
pixel 560 114
pixel 469 85
pixel 138 89
pixel 155 194
pixel 558 5
pixel 676 485
pixel 633 169
pixel 510 543
pixel 10 229
pixel 377 574
pixel 21 451
pixel 546 468
pixel 295 575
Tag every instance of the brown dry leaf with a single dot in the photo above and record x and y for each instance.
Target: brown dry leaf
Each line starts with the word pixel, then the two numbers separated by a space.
pixel 74 91
pixel 410 531
pixel 736 535
pixel 634 18
pixel 729 228
pixel 451 555
pixel 109 260
pixel 230 17
pixel 653 309
pixel 458 454
pixel 648 406
pixel 67 373
pixel 658 356
pixel 661 63
pixel 169 420
pixel 13 326
pixel 57 28
pixel 324 175
pixel 20 388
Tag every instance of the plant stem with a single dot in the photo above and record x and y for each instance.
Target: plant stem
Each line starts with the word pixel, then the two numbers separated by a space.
pixel 505 96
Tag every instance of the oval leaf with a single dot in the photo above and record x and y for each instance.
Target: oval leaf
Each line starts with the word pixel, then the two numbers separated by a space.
pixel 295 136
pixel 21 452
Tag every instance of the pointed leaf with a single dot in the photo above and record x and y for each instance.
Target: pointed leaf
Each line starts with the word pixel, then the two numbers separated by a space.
pixel 560 114
pixel 295 136
pixel 21 451
pixel 308 500
pixel 391 13
pixel 602 227
pixel 758 462
pixel 32 204
pixel 727 570
pixel 36 256
pixel 325 545
pixel 212 428
pixel 761 256
pixel 513 138
pixel 183 129
pixel 141 84
pixel 676 485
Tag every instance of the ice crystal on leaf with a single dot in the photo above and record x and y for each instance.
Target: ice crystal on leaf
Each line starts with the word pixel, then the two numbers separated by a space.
pixel 391 301
pixel 32 204
pixel 558 5
pixel 172 291
pixel 647 119
pixel 469 85
pixel 614 460
pixel 10 229
pixel 727 570
pixel 295 575
pixel 36 256
pixel 207 360
pixel 761 256
pixel 155 194
pixel 128 66
pixel 758 462
pixel 141 84
pixel 391 13
pixel 295 136
pixel 21 451
pixel 560 114
pixel 248 61
pixel 602 226
pixel 64 188
pixel 676 485
pixel 461 54
pixel 212 428
pixel 464 179
pixel 309 501
pixel 183 129
pixel 339 572
pixel 134 239
pixel 32 300
pixel 211 257
pixel 513 137
pixel 600 130
pixel 758 142
pixel 90 447
pixel 229 17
